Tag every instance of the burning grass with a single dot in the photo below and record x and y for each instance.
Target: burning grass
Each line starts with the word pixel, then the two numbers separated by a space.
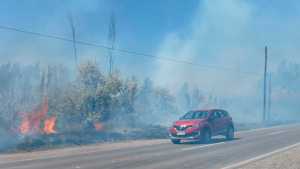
pixel 37 121
pixel 38 130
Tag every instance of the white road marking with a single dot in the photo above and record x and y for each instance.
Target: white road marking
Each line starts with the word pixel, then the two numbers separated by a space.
pixel 199 147
pixel 267 128
pixel 275 133
pixel 242 163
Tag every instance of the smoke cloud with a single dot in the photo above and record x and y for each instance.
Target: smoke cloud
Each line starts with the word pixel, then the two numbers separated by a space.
pixel 228 39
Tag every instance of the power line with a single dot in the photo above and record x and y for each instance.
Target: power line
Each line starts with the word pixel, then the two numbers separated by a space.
pixel 86 43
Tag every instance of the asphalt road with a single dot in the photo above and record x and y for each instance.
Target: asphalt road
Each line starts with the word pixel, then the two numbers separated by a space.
pixel 159 154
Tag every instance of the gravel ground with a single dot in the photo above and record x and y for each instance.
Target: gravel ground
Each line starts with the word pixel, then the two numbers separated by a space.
pixel 286 160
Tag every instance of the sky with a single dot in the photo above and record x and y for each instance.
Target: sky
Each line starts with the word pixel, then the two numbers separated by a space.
pixel 224 34
pixel 222 40
pixel 140 25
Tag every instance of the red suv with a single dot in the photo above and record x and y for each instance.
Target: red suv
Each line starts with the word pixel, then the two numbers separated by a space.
pixel 201 125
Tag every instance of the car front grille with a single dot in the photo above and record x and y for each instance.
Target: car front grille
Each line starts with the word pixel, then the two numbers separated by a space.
pixel 186 135
pixel 182 128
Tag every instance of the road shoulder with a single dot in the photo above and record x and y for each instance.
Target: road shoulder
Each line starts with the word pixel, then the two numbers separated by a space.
pixel 103 147
pixel 288 159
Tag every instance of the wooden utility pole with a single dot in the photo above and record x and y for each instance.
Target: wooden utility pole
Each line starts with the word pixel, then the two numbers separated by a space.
pixel 265 85
pixel 111 39
pixel 269 97
pixel 73 29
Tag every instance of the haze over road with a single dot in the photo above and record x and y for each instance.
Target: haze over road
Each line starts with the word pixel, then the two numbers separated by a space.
pixel 159 154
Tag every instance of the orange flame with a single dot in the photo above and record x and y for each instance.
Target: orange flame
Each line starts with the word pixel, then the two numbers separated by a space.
pixel 49 125
pixel 25 126
pixel 98 126
pixel 31 122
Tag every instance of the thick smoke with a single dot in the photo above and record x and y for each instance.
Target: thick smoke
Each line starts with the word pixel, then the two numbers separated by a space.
pixel 228 39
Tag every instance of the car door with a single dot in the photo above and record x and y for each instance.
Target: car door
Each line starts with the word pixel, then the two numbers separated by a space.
pixel 223 121
pixel 215 121
pixel 228 119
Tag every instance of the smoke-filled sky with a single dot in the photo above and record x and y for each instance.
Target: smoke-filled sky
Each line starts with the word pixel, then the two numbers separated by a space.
pixel 140 26
pixel 227 34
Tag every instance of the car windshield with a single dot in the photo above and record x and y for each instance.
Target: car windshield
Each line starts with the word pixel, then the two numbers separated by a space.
pixel 194 115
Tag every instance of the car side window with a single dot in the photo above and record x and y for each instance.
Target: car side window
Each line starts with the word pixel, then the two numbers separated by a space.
pixel 205 114
pixel 219 115
pixel 225 113
pixel 216 115
pixel 200 115
pixel 222 114
pixel 196 115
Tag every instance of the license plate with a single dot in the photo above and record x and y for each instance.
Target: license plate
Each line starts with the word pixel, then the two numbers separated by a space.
pixel 180 133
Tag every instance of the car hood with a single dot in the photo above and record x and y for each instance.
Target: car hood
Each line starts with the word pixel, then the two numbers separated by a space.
pixel 189 122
